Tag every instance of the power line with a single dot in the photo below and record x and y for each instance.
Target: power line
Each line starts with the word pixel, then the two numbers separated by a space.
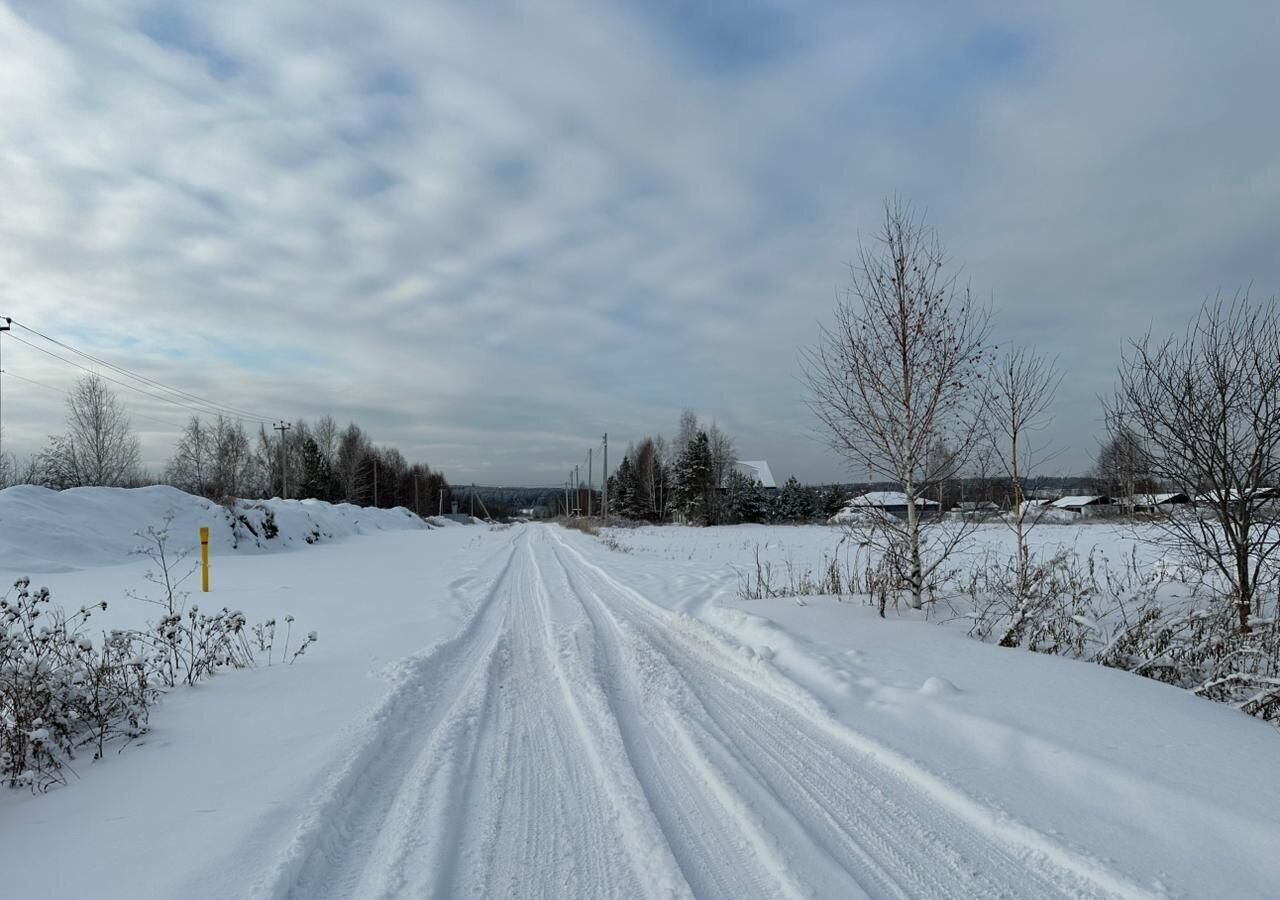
pixel 190 398
pixel 207 408
pixel 283 428
pixel 7 325
pixel 58 390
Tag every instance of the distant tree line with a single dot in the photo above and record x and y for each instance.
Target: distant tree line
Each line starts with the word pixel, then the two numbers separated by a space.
pixel 694 478
pixel 220 459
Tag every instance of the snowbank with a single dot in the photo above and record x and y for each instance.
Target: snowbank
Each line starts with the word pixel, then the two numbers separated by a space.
pixel 59 531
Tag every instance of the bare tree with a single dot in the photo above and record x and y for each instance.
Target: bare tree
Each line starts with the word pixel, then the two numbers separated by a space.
pixel 1023 388
pixel 353 447
pixel 1204 407
pixel 233 471
pixel 901 368
pixel 190 467
pixel 723 459
pixel 325 434
pixel 100 447
pixel 9 471
pixel 1121 468
pixel 687 431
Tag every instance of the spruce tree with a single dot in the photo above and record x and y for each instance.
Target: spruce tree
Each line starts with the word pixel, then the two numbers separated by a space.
pixel 746 500
pixel 694 489
pixel 314 480
pixel 623 495
pixel 794 503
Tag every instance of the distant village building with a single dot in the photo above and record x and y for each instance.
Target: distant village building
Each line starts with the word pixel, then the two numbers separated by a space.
pixel 1149 504
pixel 880 502
pixel 1084 504
pixel 1257 495
pixel 758 471
pixel 977 509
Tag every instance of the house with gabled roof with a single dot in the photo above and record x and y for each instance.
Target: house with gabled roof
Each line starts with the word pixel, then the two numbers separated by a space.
pixel 891 502
pixel 758 471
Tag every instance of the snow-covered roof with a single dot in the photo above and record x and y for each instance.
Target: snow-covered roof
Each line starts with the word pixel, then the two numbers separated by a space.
pixel 888 498
pixel 1231 494
pixel 1080 500
pixel 1160 499
pixel 759 470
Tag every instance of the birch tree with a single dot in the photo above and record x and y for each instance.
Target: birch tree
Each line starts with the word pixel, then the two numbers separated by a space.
pixel 1204 407
pixel 1023 388
pixel 901 367
pixel 100 446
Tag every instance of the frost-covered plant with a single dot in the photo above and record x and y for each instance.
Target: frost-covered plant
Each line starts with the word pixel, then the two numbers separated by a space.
pixel 60 691
pixel 311 638
pixel 832 577
pixel 185 645
pixel 1181 632
pixel 264 637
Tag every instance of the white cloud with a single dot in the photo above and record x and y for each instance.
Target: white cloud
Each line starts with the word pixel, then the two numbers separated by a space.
pixel 489 232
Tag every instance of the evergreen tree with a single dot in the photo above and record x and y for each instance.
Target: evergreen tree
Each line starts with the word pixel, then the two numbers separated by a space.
pixel 833 500
pixel 314 481
pixel 745 499
pixel 794 503
pixel 694 485
pixel 626 496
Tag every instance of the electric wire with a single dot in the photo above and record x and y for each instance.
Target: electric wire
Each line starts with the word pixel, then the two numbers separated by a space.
pixel 186 397
pixel 57 390
pixel 203 406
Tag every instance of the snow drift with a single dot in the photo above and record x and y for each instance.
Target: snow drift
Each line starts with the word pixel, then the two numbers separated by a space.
pixel 59 531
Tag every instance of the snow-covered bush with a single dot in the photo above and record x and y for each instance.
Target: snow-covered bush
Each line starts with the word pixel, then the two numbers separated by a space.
pixel 185 645
pixel 581 523
pixel 59 690
pixel 1182 632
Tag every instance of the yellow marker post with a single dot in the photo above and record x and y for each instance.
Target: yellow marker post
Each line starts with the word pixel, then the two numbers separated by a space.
pixel 204 559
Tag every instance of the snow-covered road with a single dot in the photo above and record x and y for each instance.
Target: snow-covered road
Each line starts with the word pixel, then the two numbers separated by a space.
pixel 576 740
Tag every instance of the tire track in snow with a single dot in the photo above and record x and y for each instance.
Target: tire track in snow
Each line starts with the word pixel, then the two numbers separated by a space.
pixel 575 740
pixel 550 814
pixel 724 849
pixel 333 849
pixel 859 800
pixel 490 770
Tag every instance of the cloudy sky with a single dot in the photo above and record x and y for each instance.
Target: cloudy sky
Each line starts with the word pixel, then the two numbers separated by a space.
pixel 489 231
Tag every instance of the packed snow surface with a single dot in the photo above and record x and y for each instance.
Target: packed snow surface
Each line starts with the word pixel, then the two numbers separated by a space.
pixel 523 712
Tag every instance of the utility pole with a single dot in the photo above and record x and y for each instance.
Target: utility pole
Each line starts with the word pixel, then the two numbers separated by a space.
pixel 577 489
pixel 7 324
pixel 473 499
pixel 591 483
pixel 604 481
pixel 566 499
pixel 284 460
pixel 375 482
pixel 441 501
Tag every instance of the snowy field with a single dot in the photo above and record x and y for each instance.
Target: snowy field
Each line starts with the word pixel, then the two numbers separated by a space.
pixel 525 712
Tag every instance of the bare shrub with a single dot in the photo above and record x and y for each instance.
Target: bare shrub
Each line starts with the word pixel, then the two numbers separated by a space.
pixel 185 645
pixel 832 577
pixel 59 691
pixel 1173 626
